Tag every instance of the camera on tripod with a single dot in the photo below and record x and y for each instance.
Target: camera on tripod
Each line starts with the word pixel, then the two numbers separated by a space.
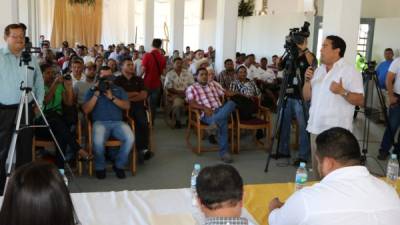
pixel 369 67
pixel 28 50
pixel 297 36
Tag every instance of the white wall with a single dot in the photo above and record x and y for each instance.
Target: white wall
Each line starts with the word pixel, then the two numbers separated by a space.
pixel 208 25
pixel 380 8
pixel 386 35
pixel 265 35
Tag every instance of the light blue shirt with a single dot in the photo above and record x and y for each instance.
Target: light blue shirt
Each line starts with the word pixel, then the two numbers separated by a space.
pixel 12 74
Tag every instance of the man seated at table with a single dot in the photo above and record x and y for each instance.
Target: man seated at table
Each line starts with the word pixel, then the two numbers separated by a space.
pixel 347 195
pixel 220 195
pixel 206 96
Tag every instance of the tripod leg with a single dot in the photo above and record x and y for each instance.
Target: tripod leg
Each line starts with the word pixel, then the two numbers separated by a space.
pixel 49 128
pixel 11 151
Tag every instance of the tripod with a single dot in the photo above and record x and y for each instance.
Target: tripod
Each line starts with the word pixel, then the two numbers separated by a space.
pixel 369 75
pixel 290 69
pixel 26 92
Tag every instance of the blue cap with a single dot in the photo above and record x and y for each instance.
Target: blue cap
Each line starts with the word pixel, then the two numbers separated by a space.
pixel 303 164
pixel 197 166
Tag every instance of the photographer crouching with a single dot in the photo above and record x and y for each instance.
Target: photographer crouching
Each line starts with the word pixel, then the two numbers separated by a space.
pixel 295 106
pixel 12 74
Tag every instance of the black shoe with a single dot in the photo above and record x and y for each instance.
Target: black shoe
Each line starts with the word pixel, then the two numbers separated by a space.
pixel 212 139
pixel 279 156
pixel 120 173
pixel 147 154
pixel 297 162
pixel 260 134
pixel 100 174
pixel 140 157
pixel 178 124
pixel 383 155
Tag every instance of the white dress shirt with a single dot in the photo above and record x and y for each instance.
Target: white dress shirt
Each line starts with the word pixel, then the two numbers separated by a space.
pixel 395 68
pixel 252 71
pixel 74 80
pixel 267 75
pixel 328 109
pixel 346 196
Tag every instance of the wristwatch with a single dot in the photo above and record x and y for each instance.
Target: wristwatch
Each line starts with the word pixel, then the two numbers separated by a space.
pixel 113 98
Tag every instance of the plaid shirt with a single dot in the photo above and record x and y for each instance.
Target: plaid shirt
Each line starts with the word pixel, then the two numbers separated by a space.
pixel 225 78
pixel 226 221
pixel 207 95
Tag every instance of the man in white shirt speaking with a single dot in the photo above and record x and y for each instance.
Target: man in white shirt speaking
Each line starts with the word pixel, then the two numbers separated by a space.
pixel 334 89
pixel 347 195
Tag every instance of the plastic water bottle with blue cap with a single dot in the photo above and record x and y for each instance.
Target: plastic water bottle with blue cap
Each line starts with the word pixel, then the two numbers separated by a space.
pixel 392 171
pixel 301 176
pixel 195 173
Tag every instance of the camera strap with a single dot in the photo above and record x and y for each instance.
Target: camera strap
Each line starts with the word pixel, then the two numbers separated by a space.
pixel 158 64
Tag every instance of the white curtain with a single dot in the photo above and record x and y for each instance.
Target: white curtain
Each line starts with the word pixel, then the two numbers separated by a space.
pixel 46 15
pixel 118 22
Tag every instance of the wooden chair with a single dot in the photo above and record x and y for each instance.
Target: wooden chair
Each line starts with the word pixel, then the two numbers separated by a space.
pixel 112 142
pixel 46 143
pixel 148 114
pixel 261 121
pixel 194 122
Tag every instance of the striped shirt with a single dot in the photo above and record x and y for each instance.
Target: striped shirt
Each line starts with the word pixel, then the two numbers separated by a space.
pixel 226 221
pixel 207 95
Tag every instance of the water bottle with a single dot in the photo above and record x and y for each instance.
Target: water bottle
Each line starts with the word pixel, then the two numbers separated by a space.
pixel 195 172
pixel 392 171
pixel 301 176
pixel 62 172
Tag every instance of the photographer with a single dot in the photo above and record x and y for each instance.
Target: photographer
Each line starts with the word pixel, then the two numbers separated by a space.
pixel 294 106
pixel 106 103
pixel 393 89
pixel 334 89
pixel 12 73
pixel 59 94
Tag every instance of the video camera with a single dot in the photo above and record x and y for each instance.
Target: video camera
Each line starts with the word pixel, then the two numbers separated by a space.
pixel 104 85
pixel 297 36
pixel 28 50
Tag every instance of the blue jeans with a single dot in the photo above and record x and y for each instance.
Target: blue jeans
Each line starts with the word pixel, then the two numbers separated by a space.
pixel 294 108
pixel 388 136
pixel 102 130
pixel 220 118
pixel 154 96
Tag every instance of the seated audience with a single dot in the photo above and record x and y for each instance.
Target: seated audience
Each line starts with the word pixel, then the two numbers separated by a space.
pixel 37 195
pixel 99 62
pixel 198 55
pixel 112 63
pixel 243 85
pixel 275 64
pixel 137 95
pixel 58 92
pixel 206 96
pixel 77 67
pixel 226 76
pixel 137 62
pixel 176 82
pixel 249 64
pixel 347 194
pixel 91 57
pixel 220 195
pixel 244 90
pixel 81 87
pixel 106 103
